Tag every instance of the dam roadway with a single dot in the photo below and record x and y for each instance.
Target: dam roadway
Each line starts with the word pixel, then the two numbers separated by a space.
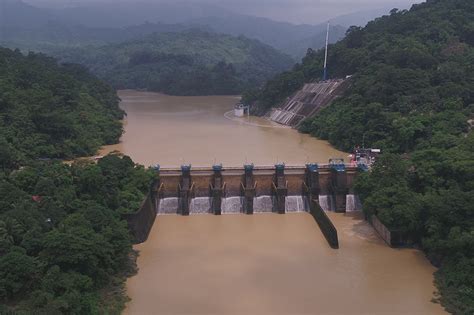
pixel 263 263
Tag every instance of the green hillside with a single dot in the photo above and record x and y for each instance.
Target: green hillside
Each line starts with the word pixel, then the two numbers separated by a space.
pixel 52 111
pixel 64 247
pixel 412 95
pixel 185 63
pixel 405 67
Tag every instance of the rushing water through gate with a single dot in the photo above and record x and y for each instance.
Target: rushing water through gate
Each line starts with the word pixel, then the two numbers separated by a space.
pixel 264 263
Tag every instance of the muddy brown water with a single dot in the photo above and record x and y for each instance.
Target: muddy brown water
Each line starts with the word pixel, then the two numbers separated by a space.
pixel 260 264
pixel 170 131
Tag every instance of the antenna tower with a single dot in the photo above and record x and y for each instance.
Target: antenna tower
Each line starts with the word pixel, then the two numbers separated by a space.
pixel 325 76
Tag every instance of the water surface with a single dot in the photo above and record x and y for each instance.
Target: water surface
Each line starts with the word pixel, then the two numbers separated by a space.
pixel 170 131
pixel 275 264
pixel 260 264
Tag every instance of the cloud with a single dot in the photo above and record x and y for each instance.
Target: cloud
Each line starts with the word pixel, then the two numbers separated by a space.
pixel 297 11
pixel 307 11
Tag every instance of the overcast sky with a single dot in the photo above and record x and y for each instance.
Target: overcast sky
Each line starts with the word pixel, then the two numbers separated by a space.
pixel 297 11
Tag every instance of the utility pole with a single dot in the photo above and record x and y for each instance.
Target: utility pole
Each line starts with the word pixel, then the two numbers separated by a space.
pixel 325 77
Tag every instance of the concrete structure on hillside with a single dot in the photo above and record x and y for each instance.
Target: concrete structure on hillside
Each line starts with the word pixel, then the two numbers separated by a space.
pixel 307 102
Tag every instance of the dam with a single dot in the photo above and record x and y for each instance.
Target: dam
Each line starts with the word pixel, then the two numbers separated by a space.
pixel 250 189
pixel 214 224
pixel 265 263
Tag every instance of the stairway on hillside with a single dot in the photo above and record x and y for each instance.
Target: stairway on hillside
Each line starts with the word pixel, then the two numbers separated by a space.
pixel 307 102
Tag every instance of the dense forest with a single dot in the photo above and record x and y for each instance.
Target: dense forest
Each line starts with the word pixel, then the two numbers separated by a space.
pixel 64 248
pixel 52 111
pixel 191 62
pixel 412 95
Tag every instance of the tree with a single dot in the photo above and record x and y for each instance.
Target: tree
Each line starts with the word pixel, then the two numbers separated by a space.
pixel 17 272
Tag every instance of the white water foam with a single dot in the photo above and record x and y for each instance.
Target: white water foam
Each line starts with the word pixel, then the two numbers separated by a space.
pixel 200 205
pixel 230 116
pixel 232 205
pixel 262 204
pixel 168 206
pixel 295 204
pixel 353 203
pixel 327 202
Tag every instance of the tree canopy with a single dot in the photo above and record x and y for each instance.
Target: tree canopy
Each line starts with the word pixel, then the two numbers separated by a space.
pixel 62 237
pixel 52 111
pixel 64 247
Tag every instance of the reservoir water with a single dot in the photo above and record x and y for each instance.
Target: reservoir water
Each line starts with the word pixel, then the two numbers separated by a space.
pixel 260 264
pixel 170 131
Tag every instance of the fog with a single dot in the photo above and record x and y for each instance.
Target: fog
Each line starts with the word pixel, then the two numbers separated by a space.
pixel 295 11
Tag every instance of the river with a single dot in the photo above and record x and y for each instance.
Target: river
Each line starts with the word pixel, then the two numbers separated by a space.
pixel 260 264
pixel 170 131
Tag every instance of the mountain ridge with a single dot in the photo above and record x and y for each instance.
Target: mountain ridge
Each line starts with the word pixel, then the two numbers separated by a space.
pixel 207 63
pixel 27 31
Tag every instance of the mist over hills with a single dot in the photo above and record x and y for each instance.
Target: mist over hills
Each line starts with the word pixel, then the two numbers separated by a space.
pixel 192 62
pixel 28 27
pixel 14 13
pixel 126 14
pixel 289 38
pixel 104 37
pixel 54 34
pixel 361 18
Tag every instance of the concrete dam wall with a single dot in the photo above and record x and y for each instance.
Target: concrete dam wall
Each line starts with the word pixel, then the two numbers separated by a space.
pixel 307 102
pixel 141 222
pixel 279 189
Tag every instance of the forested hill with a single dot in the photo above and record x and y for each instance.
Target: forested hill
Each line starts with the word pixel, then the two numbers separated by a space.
pixel 28 27
pixel 52 111
pixel 64 246
pixel 412 95
pixel 409 68
pixel 186 63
